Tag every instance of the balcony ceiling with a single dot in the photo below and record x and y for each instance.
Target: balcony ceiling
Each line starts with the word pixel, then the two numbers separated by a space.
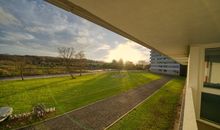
pixel 168 26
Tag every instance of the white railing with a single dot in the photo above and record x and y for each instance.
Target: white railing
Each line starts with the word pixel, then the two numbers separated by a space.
pixel 164 68
pixel 189 117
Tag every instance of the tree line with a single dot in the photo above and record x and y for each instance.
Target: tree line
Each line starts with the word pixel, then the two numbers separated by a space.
pixel 68 61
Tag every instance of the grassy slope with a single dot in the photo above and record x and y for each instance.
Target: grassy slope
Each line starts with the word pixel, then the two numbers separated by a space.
pixel 67 94
pixel 156 113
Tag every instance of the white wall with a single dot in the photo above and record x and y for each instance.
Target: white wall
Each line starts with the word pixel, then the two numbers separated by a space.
pixel 195 79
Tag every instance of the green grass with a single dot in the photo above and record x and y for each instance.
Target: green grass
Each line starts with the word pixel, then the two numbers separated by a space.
pixel 67 94
pixel 156 113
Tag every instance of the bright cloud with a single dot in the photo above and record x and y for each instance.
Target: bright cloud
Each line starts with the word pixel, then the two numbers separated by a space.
pixel 104 47
pixel 128 52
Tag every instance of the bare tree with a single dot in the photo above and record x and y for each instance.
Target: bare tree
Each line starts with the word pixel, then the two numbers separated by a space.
pixel 81 57
pixel 20 64
pixel 67 55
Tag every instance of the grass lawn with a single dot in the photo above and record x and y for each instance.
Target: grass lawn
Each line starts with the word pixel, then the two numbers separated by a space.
pixel 156 113
pixel 67 94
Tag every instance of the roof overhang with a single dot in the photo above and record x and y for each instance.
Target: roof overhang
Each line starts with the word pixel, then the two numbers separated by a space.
pixel 168 26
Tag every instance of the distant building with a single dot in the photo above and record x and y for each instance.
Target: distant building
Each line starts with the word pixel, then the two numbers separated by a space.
pixel 164 65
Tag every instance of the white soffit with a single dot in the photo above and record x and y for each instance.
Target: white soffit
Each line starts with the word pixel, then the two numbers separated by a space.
pixel 168 26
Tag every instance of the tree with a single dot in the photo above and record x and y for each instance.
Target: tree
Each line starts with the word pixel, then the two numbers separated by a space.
pixel 141 64
pixel 120 64
pixel 129 65
pixel 114 64
pixel 67 56
pixel 81 57
pixel 20 64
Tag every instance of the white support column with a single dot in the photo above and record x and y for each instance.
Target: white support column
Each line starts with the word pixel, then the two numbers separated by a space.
pixel 192 90
pixel 194 75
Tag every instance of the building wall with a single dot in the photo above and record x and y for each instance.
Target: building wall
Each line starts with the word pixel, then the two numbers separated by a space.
pixel 164 65
pixel 205 99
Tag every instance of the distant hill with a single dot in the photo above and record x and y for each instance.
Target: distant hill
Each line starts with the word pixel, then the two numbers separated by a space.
pixel 42 61
pixel 38 65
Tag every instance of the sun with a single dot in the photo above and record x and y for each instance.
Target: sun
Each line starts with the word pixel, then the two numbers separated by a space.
pixel 127 51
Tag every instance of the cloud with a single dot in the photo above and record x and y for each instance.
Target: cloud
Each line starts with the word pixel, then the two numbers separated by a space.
pixel 25 50
pixel 7 19
pixel 43 28
pixel 14 36
pixel 83 32
pixel 103 47
pixel 128 51
pixel 100 37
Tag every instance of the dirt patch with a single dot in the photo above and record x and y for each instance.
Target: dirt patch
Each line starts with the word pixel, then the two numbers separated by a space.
pixel 101 114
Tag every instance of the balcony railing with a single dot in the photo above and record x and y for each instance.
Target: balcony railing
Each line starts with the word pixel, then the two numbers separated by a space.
pixel 189 117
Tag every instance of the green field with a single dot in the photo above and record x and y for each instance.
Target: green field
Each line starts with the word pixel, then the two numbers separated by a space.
pixel 67 94
pixel 156 113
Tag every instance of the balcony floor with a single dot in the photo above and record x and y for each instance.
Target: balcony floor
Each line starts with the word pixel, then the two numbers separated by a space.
pixel 203 126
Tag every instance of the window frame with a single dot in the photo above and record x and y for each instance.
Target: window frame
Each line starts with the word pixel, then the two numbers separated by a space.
pixel 201 87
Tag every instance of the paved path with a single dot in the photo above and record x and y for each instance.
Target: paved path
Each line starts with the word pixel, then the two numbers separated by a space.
pixel 101 114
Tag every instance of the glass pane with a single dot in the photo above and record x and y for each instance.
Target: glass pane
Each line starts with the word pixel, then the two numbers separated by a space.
pixel 210 107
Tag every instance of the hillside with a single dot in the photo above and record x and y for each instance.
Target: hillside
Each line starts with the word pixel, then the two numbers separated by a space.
pixel 38 65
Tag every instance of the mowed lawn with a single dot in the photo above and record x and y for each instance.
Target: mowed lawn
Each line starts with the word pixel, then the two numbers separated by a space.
pixel 157 112
pixel 67 94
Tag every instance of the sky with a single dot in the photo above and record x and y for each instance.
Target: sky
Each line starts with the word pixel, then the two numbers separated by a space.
pixel 35 27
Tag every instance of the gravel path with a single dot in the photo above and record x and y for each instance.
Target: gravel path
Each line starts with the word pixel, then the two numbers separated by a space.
pixel 101 114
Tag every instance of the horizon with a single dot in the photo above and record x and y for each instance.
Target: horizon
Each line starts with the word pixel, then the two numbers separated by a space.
pixel 124 61
pixel 38 28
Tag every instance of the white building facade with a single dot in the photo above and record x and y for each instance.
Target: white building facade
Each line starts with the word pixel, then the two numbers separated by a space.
pixel 164 65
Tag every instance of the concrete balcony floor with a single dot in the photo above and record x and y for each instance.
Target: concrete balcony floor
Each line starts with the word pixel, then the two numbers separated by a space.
pixel 203 126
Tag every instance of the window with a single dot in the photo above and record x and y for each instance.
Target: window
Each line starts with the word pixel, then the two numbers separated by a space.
pixel 210 107
pixel 210 99
pixel 212 69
